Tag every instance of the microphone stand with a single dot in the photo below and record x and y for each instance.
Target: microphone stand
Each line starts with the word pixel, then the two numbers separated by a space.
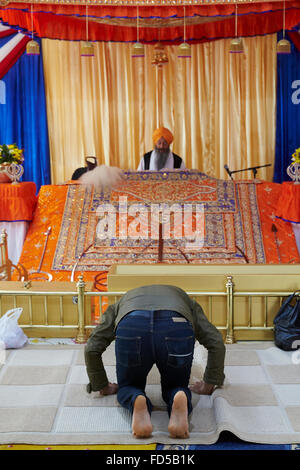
pixel 252 168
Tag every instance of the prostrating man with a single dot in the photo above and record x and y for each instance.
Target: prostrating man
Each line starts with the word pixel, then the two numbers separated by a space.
pixel 161 157
pixel 155 324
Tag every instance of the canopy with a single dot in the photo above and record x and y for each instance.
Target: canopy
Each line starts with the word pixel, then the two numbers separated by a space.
pixel 168 21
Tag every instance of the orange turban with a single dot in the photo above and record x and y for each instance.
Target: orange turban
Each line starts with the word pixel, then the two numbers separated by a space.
pixel 162 132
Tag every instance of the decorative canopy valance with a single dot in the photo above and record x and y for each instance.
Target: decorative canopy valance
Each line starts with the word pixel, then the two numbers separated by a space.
pixel 159 20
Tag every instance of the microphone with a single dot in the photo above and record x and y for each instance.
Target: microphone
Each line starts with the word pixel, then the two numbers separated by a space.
pixel 228 171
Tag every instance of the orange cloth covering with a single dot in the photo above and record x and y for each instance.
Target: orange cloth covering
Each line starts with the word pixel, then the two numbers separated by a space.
pixel 50 211
pixel 288 206
pixel 282 242
pixel 18 201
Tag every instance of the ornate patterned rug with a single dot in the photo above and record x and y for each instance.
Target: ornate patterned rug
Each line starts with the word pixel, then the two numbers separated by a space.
pixel 183 216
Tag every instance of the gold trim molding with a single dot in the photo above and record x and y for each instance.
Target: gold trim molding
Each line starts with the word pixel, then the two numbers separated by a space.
pixel 150 3
pixel 157 22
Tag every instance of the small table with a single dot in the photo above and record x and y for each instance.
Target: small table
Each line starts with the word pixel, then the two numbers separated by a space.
pixel 18 202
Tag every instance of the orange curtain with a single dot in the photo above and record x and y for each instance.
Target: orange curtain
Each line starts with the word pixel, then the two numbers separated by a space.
pixel 117 23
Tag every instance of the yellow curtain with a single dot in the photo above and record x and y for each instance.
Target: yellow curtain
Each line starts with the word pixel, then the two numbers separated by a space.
pixel 220 106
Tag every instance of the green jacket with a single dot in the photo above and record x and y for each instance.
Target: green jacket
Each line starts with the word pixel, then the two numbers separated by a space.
pixel 154 297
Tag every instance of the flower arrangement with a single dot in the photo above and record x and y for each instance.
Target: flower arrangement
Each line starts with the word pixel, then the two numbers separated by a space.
pixel 11 154
pixel 296 156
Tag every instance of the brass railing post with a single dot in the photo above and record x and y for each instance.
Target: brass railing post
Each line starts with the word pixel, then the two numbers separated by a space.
pixel 229 329
pixel 4 260
pixel 81 336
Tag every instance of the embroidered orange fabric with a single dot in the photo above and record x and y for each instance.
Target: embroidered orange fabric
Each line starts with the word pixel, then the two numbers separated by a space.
pixel 279 246
pixel 49 213
pixel 18 201
pixel 288 206
pixel 278 236
pixel 65 21
pixel 50 210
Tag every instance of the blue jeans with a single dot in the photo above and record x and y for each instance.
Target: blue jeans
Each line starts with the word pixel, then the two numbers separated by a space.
pixel 144 338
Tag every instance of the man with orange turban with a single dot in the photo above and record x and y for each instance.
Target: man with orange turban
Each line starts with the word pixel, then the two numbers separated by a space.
pixel 161 157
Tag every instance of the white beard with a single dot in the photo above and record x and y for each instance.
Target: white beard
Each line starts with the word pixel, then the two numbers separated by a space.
pixel 160 158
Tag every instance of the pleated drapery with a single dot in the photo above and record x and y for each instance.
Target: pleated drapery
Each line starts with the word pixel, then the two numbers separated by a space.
pixel 288 111
pixel 220 107
pixel 117 23
pixel 23 114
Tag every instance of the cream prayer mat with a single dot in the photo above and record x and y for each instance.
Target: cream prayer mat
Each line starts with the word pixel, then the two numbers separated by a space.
pixel 43 399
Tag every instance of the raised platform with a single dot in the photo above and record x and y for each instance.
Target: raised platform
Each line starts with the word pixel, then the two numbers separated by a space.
pixel 242 265
pixel 205 277
pixel 50 309
pixel 242 301
pixel 239 225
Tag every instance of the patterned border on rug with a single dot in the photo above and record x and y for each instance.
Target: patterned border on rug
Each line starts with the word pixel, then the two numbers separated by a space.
pixel 232 232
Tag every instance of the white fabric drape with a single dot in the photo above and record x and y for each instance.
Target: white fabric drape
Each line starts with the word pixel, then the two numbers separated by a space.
pixel 16 234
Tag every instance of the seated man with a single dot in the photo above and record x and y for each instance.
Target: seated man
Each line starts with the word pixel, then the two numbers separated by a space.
pixel 161 157
pixel 155 324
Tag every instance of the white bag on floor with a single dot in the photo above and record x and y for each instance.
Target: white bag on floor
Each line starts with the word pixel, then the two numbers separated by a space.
pixel 10 333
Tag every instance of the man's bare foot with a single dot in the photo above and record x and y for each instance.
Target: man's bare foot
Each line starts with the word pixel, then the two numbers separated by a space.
pixel 178 424
pixel 141 421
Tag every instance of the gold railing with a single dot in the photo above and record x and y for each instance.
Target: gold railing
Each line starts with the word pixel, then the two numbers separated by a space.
pixel 83 323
